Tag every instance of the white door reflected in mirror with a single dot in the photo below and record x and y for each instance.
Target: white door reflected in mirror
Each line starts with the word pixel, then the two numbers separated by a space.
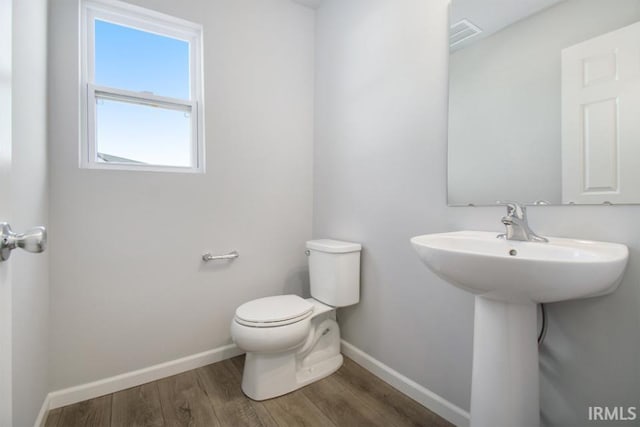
pixel 600 110
pixel 523 125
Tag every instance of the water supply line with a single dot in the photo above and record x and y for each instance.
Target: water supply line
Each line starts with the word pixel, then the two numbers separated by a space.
pixel 543 328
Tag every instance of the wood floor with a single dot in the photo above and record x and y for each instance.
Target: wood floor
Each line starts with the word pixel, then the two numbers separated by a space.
pixel 211 396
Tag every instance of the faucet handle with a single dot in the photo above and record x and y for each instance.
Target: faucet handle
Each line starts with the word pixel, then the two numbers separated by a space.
pixel 514 208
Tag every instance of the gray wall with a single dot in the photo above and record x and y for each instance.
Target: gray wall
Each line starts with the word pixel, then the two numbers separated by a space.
pixel 380 159
pixel 380 178
pixel 504 123
pixel 29 272
pixel 128 287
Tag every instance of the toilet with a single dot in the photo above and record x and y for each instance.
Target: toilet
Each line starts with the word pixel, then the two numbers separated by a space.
pixel 291 341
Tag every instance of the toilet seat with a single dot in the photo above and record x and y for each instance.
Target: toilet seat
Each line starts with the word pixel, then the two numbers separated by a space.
pixel 274 311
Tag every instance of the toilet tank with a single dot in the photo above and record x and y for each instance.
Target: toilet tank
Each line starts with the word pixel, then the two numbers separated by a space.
pixel 334 271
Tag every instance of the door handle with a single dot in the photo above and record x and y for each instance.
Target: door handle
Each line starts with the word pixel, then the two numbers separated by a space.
pixel 33 240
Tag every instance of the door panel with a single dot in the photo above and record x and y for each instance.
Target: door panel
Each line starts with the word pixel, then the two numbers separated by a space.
pixel 600 110
pixel 5 193
pixel 29 272
pixel 24 288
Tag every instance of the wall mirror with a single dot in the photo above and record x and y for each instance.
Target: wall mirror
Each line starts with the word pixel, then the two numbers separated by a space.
pixel 544 102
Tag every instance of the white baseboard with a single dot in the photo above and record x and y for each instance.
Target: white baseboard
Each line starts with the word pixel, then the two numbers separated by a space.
pixel 71 395
pixel 420 394
pixel 42 415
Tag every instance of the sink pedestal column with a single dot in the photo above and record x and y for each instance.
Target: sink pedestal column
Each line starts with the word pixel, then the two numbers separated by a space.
pixel 505 390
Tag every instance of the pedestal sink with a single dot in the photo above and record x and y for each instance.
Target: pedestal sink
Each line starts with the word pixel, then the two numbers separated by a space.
pixel 509 278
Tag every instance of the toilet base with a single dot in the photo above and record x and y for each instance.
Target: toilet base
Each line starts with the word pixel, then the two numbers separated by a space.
pixel 269 375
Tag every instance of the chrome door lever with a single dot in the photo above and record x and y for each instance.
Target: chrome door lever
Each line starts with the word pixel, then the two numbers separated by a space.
pixel 34 240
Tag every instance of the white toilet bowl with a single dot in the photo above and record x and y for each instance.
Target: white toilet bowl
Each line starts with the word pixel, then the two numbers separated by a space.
pixel 301 348
pixel 272 324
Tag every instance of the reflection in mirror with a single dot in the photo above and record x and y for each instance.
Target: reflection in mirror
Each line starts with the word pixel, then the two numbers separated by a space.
pixel 544 102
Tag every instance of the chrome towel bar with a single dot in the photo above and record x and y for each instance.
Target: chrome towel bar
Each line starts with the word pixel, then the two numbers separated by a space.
pixel 210 257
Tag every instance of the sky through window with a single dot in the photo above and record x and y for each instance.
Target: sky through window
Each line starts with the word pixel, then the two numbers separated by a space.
pixel 140 61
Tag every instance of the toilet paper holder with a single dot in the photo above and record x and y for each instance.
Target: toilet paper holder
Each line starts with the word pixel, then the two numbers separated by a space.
pixel 230 256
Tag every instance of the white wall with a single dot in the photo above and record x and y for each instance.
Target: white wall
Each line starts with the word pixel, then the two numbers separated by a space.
pixel 380 178
pixel 505 117
pixel 29 208
pixel 128 286
pixel 380 161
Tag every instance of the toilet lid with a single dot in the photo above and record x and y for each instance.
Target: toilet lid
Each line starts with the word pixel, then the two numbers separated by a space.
pixel 274 310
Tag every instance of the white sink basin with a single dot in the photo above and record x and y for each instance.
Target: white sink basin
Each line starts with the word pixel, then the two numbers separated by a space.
pixel 559 270
pixel 508 279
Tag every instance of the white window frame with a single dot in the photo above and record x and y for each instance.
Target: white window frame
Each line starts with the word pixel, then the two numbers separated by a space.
pixel 127 15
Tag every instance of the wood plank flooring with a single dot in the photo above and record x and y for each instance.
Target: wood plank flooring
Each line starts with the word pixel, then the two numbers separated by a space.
pixel 211 397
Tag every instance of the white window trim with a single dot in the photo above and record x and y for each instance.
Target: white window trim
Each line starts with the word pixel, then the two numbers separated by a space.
pixel 154 22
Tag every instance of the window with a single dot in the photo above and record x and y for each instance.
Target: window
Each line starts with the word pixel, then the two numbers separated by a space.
pixel 141 90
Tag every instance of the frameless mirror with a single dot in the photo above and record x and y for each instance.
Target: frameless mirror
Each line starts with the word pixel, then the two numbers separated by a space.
pixel 544 102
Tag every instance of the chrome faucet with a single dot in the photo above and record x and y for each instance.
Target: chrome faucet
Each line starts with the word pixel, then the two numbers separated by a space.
pixel 517 224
